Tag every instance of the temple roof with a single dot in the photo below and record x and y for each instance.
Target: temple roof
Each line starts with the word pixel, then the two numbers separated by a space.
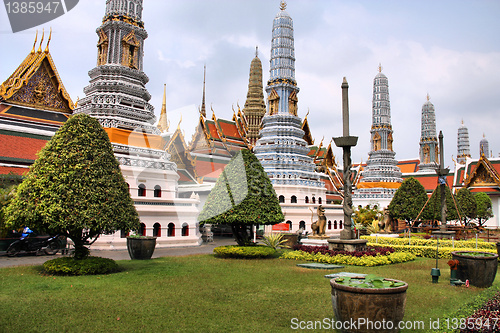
pixel 36 83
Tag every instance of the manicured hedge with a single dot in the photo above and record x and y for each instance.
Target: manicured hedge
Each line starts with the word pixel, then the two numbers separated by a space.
pixel 342 259
pixel 245 252
pixel 87 266
pixel 430 251
pixel 469 244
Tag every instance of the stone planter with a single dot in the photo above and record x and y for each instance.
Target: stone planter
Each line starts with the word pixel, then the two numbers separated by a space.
pixel 141 247
pixel 479 270
pixel 368 305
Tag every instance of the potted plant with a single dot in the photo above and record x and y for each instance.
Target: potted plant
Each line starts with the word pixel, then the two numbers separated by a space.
pixel 480 268
pixel 369 299
pixel 141 247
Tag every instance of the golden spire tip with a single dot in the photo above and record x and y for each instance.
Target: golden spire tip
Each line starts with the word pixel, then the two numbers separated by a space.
pixel 41 41
pixel 48 42
pixel 379 67
pixel 283 5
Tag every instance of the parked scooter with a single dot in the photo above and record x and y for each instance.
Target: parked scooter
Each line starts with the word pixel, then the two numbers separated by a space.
pixel 34 244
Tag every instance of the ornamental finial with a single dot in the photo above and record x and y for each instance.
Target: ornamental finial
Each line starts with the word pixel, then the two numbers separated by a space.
pixel 283 5
pixel 34 44
pixel 40 46
pixel 256 51
pixel 48 42
pixel 428 97
pixel 380 68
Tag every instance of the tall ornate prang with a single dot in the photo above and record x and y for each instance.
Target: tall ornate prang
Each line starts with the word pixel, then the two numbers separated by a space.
pixel 381 177
pixel 484 147
pixel 281 148
pixel 117 95
pixel 463 145
pixel 255 107
pixel 429 151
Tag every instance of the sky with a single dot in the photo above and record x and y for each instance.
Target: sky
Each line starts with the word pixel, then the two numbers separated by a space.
pixel 449 49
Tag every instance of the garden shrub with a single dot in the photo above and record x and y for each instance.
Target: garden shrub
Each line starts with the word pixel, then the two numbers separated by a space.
pixel 469 244
pixel 244 252
pixel 87 266
pixel 343 259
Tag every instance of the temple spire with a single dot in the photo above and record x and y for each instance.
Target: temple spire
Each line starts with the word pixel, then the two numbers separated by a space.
pixel 429 149
pixel 163 124
pixel 255 106
pixel 203 110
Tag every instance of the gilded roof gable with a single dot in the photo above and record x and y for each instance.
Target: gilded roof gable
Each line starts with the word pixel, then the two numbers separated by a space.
pixel 484 174
pixel 36 83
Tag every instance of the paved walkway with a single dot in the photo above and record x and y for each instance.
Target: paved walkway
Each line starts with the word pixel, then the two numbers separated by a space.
pixel 205 248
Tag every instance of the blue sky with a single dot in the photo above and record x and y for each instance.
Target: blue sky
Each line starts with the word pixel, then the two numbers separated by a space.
pixel 447 49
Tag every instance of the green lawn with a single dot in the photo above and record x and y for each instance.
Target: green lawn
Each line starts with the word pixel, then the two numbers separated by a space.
pixel 202 294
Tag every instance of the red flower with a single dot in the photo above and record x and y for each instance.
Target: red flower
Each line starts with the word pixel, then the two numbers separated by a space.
pixel 453 264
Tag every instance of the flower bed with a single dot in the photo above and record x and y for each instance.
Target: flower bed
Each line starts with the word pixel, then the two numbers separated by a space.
pixel 485 319
pixel 468 244
pixel 358 258
pixel 371 251
pixel 430 251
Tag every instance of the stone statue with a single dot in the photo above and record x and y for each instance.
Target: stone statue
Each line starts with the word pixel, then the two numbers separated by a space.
pixel 319 227
pixel 385 224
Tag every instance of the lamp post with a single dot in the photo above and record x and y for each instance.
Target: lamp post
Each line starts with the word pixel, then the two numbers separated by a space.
pixel 346 142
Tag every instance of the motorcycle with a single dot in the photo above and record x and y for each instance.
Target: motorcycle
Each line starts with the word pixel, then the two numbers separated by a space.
pixel 49 244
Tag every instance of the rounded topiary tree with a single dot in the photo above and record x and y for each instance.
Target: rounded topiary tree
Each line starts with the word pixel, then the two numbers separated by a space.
pixel 484 207
pixel 408 200
pixel 243 196
pixel 467 204
pixel 75 187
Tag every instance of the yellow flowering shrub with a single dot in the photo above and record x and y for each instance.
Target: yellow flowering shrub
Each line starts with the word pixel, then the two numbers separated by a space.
pixel 383 241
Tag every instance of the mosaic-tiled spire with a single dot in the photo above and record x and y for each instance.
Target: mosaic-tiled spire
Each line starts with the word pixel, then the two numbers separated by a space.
pixel 281 149
pixel 381 176
pixel 429 149
pixel 463 145
pixel 255 107
pixel 117 95
pixel 282 88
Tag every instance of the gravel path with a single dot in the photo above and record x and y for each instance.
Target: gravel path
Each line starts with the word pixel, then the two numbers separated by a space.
pixel 205 248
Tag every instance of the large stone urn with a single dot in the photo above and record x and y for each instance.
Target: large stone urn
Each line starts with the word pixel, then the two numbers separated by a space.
pixel 141 247
pixel 372 309
pixel 480 268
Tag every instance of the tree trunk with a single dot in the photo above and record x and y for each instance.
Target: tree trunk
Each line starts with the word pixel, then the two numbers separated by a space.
pixel 240 232
pixel 81 251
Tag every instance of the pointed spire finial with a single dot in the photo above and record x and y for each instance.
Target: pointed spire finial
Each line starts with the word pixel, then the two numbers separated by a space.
pixel 48 42
pixel 41 41
pixel 34 44
pixel 163 123
pixel 428 97
pixel 203 111
pixel 283 5
pixel 379 67
pixel 256 51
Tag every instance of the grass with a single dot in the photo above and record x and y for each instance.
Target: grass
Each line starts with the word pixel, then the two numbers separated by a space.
pixel 202 294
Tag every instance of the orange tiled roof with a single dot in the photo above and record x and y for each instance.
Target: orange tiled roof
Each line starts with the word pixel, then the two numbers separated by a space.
pixel 20 147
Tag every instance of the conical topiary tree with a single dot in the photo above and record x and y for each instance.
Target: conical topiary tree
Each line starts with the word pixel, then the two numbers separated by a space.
pixel 467 204
pixel 483 207
pixel 243 196
pixel 75 187
pixel 408 200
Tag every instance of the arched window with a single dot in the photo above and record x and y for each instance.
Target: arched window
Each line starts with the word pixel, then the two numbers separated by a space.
pixel 171 230
pixel 302 225
pixel 157 192
pixel 157 230
pixel 289 225
pixel 293 199
pixel 340 224
pixel 185 230
pixel 141 190
pixel 313 200
pixel 320 201
pixel 142 229
pixel 335 224
pixel 329 225
pixel 307 199
pixel 282 198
